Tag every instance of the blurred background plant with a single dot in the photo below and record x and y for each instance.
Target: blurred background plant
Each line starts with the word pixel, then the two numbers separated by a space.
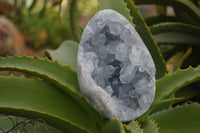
pixel 47 22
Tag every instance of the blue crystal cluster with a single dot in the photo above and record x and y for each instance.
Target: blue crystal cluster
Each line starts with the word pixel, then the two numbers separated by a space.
pixel 115 70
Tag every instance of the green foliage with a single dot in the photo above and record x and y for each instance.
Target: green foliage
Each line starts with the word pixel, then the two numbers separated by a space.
pixel 180 119
pixel 113 126
pixel 176 61
pixel 52 94
pixel 169 84
pixel 185 5
pixel 176 33
pixel 62 54
pixel 36 99
pixel 37 28
pixel 159 19
pixel 15 124
pixel 134 127
pixel 40 21
pixel 181 30
pixel 72 18
pixel 150 126
pixel 61 76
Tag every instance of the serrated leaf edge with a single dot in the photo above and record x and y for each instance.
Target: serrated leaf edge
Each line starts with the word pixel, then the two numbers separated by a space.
pixel 177 107
pixel 156 125
pixel 35 111
pixel 183 84
pixel 37 74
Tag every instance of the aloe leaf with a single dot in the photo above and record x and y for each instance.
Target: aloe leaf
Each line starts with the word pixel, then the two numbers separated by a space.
pixel 61 76
pixel 134 127
pixel 185 5
pixel 176 27
pixel 158 19
pixel 11 122
pixel 185 17
pixel 117 5
pixel 32 98
pixel 128 130
pixel 66 54
pixel 169 100
pixel 149 126
pixel 169 84
pixel 176 33
pixel 147 37
pixel 175 62
pixel 159 106
pixel 180 119
pixel 113 126
pixel 176 38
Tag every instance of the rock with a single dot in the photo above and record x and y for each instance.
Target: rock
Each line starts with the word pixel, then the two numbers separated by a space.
pixel 116 72
pixel 11 40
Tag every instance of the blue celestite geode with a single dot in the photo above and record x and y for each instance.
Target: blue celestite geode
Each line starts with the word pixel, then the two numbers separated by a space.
pixel 116 72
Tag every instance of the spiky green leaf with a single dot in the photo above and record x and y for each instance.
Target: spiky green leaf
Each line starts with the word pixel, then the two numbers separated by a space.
pixel 176 33
pixel 32 98
pixel 180 119
pixel 66 54
pixel 150 126
pixel 113 126
pixel 61 76
pixel 175 62
pixel 133 127
pixel 176 38
pixel 176 27
pixel 169 84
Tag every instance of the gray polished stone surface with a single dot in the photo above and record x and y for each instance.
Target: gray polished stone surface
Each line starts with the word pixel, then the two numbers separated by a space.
pixel 115 69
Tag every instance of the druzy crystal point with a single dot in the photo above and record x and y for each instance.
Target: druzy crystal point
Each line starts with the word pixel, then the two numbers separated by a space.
pixel 116 72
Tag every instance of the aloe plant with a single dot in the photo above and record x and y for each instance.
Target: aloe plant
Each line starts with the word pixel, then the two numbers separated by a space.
pixel 51 98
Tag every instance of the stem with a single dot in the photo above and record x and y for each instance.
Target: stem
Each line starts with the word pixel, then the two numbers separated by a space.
pixel 72 19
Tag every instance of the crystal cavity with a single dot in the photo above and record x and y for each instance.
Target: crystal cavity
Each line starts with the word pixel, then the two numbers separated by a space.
pixel 116 72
